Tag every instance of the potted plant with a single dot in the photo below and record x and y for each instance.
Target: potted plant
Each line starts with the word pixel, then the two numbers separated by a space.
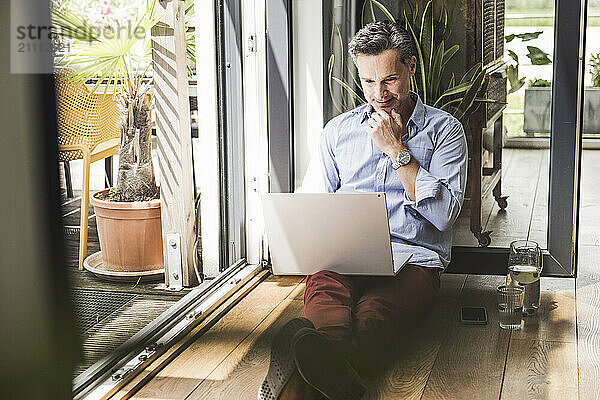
pixel 127 215
pixel 538 103
pixel 591 104
pixel 537 106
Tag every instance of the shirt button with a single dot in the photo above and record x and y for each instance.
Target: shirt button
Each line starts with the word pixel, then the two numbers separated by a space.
pixel 380 177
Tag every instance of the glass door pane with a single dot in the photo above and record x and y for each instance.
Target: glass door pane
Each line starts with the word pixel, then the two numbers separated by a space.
pixel 509 187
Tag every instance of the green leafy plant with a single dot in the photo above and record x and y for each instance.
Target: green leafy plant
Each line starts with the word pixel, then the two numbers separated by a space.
pixel 124 63
pixel 595 69
pixel 432 83
pixel 537 82
pixel 537 57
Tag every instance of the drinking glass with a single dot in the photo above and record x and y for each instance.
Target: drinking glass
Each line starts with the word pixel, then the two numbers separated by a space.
pixel 510 306
pixel 524 269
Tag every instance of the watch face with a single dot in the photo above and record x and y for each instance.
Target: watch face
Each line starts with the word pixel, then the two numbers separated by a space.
pixel 403 157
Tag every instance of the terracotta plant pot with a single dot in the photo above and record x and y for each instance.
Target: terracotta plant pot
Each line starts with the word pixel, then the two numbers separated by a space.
pixel 130 235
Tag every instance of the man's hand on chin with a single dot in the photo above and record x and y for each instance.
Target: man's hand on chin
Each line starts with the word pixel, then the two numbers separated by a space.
pixel 386 131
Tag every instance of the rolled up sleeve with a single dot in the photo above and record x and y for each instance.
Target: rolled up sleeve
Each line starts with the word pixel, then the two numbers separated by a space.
pixel 439 191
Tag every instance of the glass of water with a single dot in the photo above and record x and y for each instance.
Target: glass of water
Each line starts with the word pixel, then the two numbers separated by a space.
pixel 524 269
pixel 510 306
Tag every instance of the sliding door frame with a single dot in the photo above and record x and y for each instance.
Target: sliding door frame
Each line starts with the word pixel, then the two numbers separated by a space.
pixel 560 256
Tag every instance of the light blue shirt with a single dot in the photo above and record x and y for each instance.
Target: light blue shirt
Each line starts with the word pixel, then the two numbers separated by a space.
pixel 349 161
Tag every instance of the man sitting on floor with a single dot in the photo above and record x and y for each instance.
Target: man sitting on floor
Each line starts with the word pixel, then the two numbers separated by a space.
pixel 417 155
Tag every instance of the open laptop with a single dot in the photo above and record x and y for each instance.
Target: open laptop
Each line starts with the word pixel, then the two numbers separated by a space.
pixel 345 233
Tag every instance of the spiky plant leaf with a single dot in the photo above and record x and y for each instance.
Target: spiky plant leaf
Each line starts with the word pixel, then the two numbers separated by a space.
pixel 448 54
pixel 470 95
pixel 426 38
pixel 471 73
pixel 383 9
pixel 422 78
pixel 436 71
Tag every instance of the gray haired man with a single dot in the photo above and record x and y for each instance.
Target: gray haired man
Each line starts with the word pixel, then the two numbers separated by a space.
pixel 417 155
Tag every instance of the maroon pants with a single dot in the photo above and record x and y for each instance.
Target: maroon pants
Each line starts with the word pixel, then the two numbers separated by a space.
pixel 363 315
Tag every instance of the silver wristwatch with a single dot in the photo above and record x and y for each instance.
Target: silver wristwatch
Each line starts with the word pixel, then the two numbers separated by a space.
pixel 402 158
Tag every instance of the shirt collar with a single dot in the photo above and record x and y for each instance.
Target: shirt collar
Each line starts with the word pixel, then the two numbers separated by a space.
pixel 417 116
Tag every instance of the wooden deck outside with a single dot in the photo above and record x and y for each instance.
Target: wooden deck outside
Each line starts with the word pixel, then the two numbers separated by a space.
pixel 114 324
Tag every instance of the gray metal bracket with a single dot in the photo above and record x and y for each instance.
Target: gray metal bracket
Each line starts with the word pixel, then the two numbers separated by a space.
pixel 174 264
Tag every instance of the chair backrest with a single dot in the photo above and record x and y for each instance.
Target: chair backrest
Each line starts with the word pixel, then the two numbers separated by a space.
pixel 82 117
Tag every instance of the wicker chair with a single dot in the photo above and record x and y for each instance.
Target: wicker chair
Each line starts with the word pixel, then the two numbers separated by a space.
pixel 88 129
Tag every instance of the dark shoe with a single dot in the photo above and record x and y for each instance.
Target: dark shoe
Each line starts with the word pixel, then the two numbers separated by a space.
pixel 282 364
pixel 298 389
pixel 325 368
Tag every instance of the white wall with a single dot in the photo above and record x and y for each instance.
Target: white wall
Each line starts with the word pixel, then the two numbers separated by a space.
pixel 308 81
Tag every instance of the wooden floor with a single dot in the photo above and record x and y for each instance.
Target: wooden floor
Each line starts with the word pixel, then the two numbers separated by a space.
pixel 555 356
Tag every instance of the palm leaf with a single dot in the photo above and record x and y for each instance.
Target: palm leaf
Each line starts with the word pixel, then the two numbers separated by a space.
pixel 451 83
pixel 113 58
pixel 512 73
pixel 454 90
pixel 513 55
pixel 66 24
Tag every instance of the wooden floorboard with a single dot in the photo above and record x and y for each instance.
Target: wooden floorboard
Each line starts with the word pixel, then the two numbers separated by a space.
pixel 538 226
pixel 240 374
pixel 470 362
pixel 542 357
pixel 199 362
pixel 556 318
pixel 462 235
pixel 589 212
pixel 540 369
pixel 406 378
pixel 588 322
pixel 588 279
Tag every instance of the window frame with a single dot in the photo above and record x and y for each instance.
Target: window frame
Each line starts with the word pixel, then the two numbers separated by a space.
pixel 560 256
